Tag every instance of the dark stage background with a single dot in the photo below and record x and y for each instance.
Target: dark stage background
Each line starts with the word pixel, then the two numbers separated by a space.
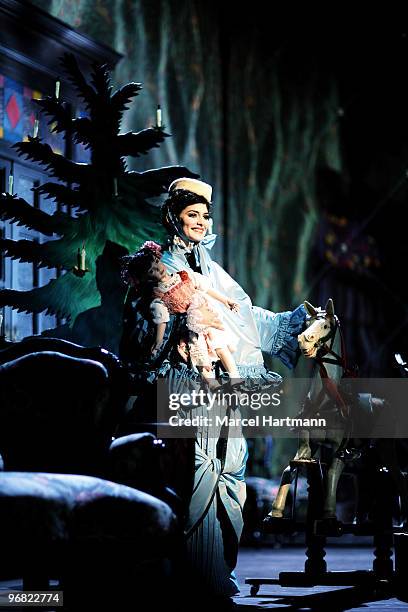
pixel 304 138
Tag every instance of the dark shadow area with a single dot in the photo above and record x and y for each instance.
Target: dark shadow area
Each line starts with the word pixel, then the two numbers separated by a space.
pixel 335 601
pixel 102 326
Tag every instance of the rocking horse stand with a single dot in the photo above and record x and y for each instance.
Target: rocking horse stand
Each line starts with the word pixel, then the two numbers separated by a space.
pixel 325 337
pixel 316 532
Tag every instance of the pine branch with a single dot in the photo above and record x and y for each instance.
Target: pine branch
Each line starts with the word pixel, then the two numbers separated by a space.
pixel 61 194
pixel 65 296
pixel 59 113
pixel 46 255
pixel 17 210
pixel 100 79
pixel 57 165
pixel 85 91
pixel 119 102
pixel 139 143
pixel 62 222
pixel 155 182
pixel 83 131
pixel 30 301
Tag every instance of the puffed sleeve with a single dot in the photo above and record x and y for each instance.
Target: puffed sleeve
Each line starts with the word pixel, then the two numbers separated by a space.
pixel 159 312
pixel 279 331
pixel 201 282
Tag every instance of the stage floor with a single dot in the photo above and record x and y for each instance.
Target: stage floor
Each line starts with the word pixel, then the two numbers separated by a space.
pixel 268 562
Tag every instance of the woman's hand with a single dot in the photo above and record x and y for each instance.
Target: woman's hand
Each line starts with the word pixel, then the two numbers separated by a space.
pixel 182 349
pixel 234 306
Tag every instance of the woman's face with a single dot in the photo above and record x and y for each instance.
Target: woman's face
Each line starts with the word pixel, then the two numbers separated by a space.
pixel 195 220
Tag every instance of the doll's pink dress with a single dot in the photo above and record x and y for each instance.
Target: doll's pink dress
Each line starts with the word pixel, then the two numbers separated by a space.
pixel 185 293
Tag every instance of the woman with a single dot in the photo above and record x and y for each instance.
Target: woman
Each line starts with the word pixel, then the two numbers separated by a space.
pixel 214 523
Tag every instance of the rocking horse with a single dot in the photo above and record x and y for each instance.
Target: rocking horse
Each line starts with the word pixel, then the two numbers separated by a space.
pixel 329 397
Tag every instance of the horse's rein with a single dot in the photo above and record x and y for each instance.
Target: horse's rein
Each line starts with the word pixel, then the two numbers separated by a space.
pixel 330 388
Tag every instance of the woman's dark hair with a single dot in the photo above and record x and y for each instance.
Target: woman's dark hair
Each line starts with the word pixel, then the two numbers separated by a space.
pixel 177 201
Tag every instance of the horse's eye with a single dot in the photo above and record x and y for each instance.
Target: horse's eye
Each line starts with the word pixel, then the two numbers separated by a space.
pixel 326 326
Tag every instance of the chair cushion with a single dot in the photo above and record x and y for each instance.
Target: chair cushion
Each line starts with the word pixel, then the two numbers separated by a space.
pixel 41 506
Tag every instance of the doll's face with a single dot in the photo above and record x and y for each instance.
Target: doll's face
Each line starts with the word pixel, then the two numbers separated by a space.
pixel 157 271
pixel 195 220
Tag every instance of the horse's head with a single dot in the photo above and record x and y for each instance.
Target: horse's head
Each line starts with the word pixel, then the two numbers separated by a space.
pixel 320 328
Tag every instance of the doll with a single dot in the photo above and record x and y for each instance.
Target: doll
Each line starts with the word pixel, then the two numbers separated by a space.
pixel 184 292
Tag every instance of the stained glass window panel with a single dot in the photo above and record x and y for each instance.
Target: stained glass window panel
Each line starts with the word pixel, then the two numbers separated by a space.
pixel 13 110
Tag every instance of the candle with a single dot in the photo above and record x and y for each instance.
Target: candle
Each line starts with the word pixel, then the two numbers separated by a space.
pixel 83 256
pixel 57 88
pixel 11 181
pixel 115 187
pixel 35 130
pixel 158 116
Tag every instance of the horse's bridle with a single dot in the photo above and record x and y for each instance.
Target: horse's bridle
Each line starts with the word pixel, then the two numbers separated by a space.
pixel 329 388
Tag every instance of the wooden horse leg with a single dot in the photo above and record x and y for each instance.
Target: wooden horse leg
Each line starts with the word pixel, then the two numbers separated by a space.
pixel 333 475
pixel 278 505
pixel 303 451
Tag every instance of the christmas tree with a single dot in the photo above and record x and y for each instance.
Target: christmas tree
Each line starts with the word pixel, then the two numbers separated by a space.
pixel 109 202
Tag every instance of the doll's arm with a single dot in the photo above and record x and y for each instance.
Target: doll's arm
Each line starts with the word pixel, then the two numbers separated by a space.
pixel 203 283
pixel 160 316
pixel 223 299
pixel 160 329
